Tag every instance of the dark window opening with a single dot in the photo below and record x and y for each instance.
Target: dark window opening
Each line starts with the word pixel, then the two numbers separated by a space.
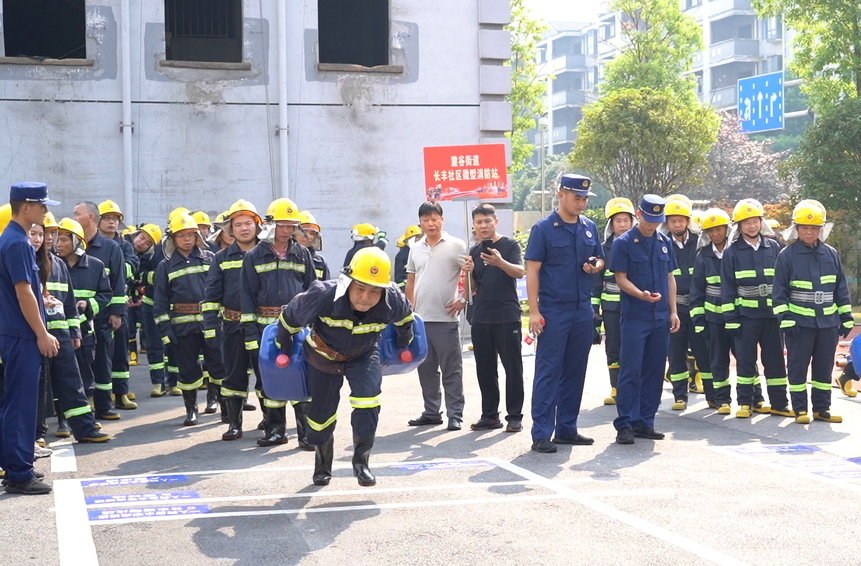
pixel 354 32
pixel 203 30
pixel 45 29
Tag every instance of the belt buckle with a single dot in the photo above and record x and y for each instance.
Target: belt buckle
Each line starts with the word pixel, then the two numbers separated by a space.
pixel 763 290
pixel 819 297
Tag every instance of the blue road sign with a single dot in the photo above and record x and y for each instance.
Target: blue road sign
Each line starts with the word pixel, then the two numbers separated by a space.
pixel 760 103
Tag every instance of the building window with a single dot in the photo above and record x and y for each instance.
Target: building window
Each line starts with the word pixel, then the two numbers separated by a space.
pixel 773 64
pixel 45 29
pixel 699 80
pixel 692 3
pixel 203 30
pixel 772 28
pixel 608 31
pixel 353 33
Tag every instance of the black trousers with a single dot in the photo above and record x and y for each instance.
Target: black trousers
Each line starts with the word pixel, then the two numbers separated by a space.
pixel 68 389
pixel 817 345
pixel 102 367
pixel 488 342
pixel 719 345
pixel 612 337
pixel 154 346
pixel 187 351
pixel 765 333
pixel 237 362
pixel 680 343
pixel 120 360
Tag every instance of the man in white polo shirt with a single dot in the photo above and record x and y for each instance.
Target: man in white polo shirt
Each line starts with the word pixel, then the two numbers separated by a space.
pixel 433 271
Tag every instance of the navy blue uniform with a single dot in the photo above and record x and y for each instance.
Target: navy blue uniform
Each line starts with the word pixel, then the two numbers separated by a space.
pixel 321 268
pixel 607 302
pixel 343 343
pixel 746 288
pixel 120 358
pixel 645 326
pixel 148 262
pixel 811 298
pixel 400 274
pixel 564 297
pixel 21 357
pixel 707 320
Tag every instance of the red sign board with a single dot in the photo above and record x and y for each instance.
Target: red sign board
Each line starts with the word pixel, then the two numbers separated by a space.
pixel 466 171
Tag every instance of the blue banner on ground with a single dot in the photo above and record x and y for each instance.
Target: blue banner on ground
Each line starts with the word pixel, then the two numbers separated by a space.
pixel 141 497
pixel 445 465
pixel 108 482
pixel 146 512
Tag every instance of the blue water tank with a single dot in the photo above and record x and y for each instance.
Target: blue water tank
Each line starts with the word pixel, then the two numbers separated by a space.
pixel 855 352
pixel 390 362
pixel 283 384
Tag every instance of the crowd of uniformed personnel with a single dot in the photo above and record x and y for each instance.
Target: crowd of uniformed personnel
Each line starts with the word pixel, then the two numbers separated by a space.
pixel 745 289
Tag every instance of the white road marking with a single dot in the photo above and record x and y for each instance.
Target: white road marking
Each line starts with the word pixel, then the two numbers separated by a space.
pixel 74 536
pixel 642 525
pixel 63 458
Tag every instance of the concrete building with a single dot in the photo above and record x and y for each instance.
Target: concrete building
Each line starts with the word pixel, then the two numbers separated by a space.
pixel 167 103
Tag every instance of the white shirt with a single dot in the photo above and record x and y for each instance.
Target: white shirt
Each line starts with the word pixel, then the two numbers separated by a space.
pixel 437 271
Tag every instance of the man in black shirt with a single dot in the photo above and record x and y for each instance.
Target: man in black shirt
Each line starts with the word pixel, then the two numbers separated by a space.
pixel 494 266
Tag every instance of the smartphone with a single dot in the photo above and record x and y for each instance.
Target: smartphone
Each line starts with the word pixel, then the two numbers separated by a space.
pixel 593 261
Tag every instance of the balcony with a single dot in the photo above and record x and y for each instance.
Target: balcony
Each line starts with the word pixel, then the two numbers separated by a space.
pixel 561 134
pixel 568 98
pixel 724 98
pixel 566 62
pixel 734 50
pixel 722 8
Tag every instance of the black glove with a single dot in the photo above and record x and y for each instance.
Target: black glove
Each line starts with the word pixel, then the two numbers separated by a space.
pixel 844 332
pixel 171 336
pixel 404 338
pixel 284 340
pixel 734 332
pixel 790 331
pixel 599 320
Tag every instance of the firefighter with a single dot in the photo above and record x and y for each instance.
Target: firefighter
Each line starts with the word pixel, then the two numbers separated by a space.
pixel 684 235
pixel 346 317
pixel 311 237
pixel 74 414
pixel 204 224
pixel 111 255
pixel 219 239
pixel 405 242
pixel 170 365
pixel 92 291
pixel 606 300
pixel 275 271
pixel 363 236
pixel 706 308
pixel 811 298
pixel 180 283
pixel 747 273
pixel 110 221
pixel 222 311
pixel 146 242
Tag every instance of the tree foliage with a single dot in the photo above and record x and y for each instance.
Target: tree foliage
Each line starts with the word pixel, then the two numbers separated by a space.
pixel 741 167
pixel 659 43
pixel 527 183
pixel 637 141
pixel 828 162
pixel 528 94
pixel 827 45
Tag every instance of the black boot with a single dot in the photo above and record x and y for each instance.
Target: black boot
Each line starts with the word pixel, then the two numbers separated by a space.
pixel 211 399
pixel 276 428
pixel 248 405
pixel 222 402
pixel 265 415
pixel 361 454
pixel 323 462
pixel 234 415
pixel 301 412
pixel 190 400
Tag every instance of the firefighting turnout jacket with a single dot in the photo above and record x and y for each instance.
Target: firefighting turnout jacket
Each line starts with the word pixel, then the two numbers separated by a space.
pixel 810 288
pixel 685 258
pixel 606 295
pixel 706 305
pixel 145 276
pixel 223 286
pixel 338 333
pixel 180 283
pixel 111 255
pixel 65 323
pixel 90 283
pixel 747 276
pixel 269 283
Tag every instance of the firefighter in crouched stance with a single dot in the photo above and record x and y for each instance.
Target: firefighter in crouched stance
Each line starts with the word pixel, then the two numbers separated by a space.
pixel 180 284
pixel 346 317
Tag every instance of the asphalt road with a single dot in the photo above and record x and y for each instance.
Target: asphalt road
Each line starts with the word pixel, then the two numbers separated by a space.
pixel 717 490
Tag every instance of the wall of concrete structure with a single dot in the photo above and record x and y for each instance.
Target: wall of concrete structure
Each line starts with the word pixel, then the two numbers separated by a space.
pixel 205 137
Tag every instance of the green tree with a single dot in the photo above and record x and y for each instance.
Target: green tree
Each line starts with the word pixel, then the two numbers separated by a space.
pixel 826 48
pixel 528 94
pixel 659 43
pixel 636 141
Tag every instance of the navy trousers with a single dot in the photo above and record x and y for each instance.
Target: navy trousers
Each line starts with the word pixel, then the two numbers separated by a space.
pixel 22 362
pixel 641 372
pixel 154 346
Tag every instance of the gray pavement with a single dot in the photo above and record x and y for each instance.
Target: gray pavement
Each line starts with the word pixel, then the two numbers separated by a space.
pixel 717 490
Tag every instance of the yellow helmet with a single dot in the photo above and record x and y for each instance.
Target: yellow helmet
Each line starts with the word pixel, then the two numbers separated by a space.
pixel 152 231
pixel 221 218
pixel 697 216
pixel 363 232
pixel 5 216
pixel 714 217
pixel 616 205
pixel 747 208
pixel 72 226
pixel 244 207
pixel 181 222
pixel 50 221
pixel 809 213
pixel 201 218
pixel 175 211
pixel 283 210
pixel 370 266
pixel 307 219
pixel 678 205
pixel 773 223
pixel 110 207
pixel 411 231
pixel 401 242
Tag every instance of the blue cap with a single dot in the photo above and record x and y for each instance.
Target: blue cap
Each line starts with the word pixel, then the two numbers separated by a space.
pixel 31 192
pixel 652 208
pixel 577 184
